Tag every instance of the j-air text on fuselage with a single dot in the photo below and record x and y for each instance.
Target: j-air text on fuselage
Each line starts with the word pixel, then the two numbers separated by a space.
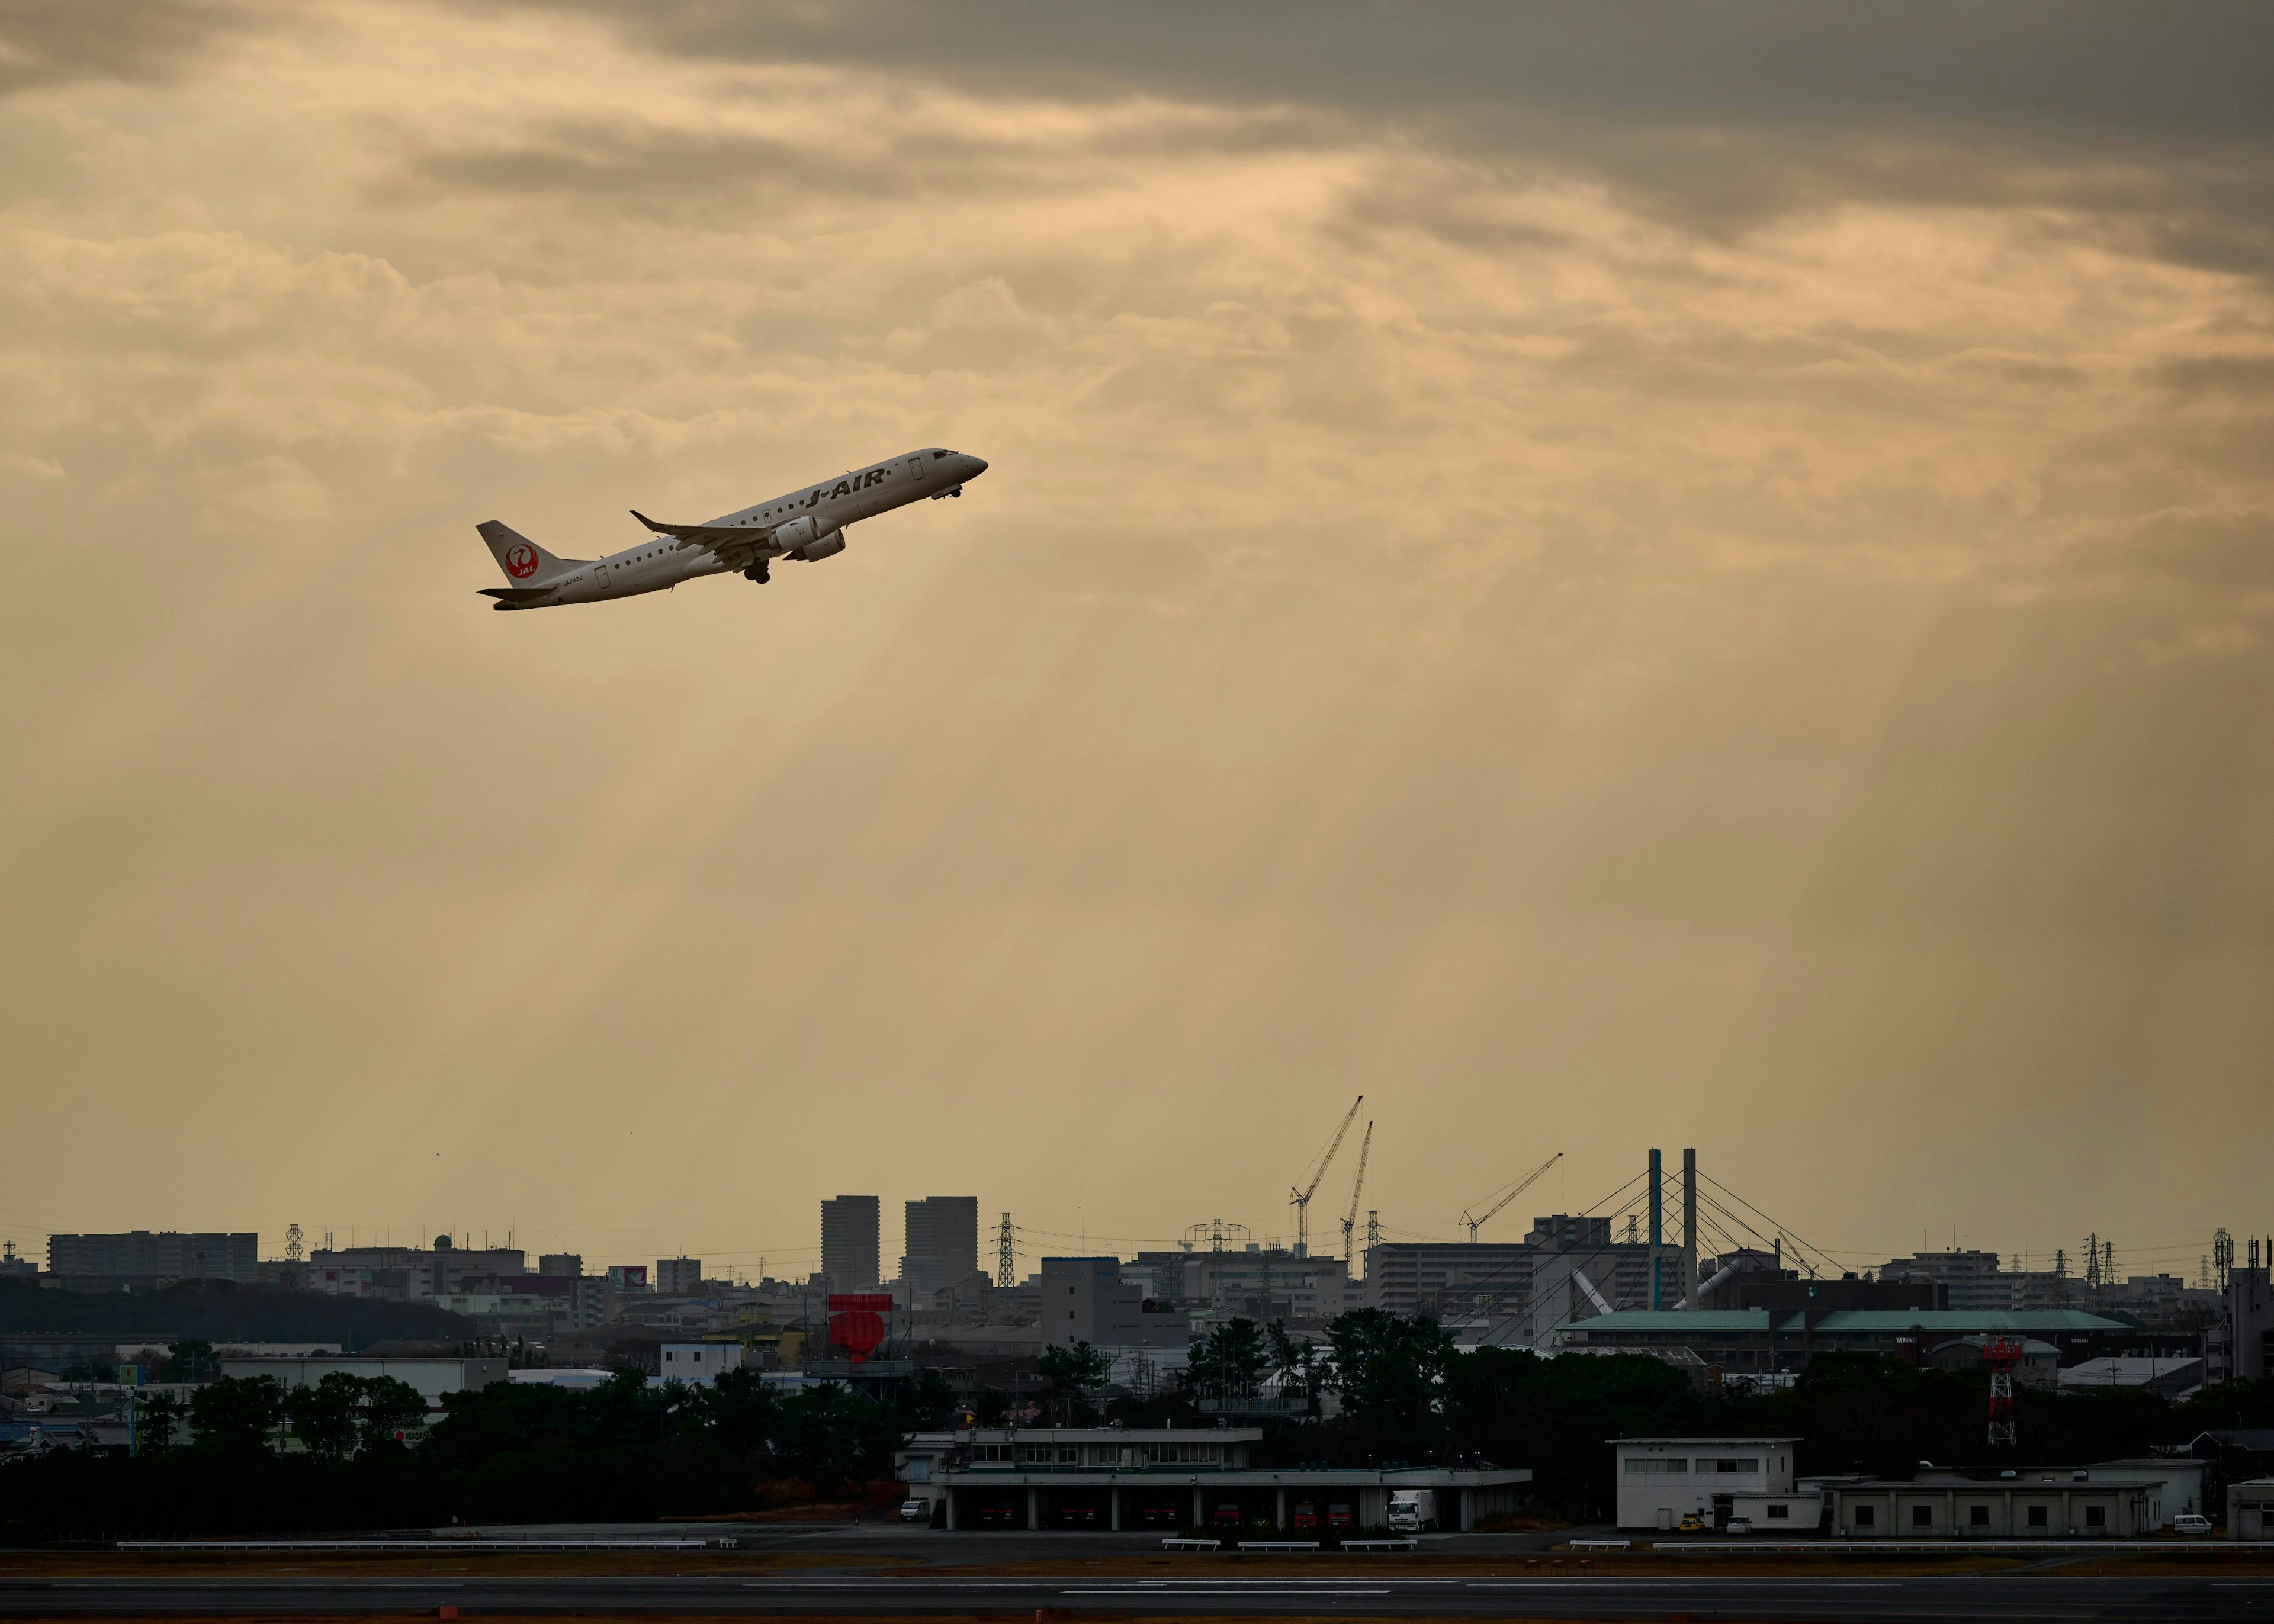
pixel 807 525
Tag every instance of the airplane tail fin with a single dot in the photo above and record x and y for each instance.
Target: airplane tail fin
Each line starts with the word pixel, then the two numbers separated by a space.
pixel 521 558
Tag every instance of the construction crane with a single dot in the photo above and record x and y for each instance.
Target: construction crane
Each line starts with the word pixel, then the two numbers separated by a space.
pixel 1522 1185
pixel 1302 1197
pixel 1350 1221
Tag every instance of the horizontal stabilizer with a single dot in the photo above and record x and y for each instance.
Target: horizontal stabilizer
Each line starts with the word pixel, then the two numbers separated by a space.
pixel 517 594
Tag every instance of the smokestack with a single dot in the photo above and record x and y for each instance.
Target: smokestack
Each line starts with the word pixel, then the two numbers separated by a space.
pixel 1690 1229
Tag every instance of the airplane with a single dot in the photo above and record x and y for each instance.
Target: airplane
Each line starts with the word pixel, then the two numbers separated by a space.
pixel 807 525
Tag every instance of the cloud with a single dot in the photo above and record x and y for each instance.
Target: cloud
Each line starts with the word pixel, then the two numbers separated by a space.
pixel 138 41
pixel 1527 562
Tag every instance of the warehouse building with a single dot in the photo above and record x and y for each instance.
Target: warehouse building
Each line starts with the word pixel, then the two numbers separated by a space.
pixel 2115 1501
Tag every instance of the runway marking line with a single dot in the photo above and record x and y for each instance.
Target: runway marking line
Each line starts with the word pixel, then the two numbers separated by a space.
pixel 1305 1595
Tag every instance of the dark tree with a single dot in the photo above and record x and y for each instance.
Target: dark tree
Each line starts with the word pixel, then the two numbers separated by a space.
pixel 1070 1375
pixel 237 1413
pixel 323 1417
pixel 392 1411
pixel 831 1437
pixel 1230 1361
pixel 1389 1370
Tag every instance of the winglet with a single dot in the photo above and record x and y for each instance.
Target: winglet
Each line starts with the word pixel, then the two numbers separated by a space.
pixel 650 523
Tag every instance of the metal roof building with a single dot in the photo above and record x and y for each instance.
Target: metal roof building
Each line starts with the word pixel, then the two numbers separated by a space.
pixel 1761 1339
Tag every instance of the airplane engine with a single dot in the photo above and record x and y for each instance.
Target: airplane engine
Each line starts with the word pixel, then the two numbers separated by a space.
pixel 803 538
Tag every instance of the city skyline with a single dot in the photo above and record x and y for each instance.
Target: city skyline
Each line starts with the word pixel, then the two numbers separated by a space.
pixel 1705 584
pixel 2181 1259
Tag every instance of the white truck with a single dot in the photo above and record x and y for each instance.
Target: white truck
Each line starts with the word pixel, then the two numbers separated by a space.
pixel 1411 1510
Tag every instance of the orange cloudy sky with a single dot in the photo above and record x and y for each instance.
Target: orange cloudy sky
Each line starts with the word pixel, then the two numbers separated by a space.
pixel 1607 578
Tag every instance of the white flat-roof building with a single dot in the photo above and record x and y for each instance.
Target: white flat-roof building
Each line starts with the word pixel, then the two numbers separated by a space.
pixel 1662 1480
pixel 1170 1479
pixel 699 1363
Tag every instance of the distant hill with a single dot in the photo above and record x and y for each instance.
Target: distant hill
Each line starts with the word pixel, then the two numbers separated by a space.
pixel 222 1310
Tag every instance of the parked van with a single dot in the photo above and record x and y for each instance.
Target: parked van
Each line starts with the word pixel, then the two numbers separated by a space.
pixel 1412 1510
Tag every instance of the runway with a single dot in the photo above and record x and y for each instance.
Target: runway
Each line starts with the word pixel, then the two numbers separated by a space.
pixel 1794 1600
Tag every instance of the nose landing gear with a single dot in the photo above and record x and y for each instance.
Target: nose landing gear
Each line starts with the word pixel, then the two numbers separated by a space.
pixel 757 572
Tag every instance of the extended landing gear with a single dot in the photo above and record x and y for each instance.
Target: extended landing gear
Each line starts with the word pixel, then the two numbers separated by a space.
pixel 757 573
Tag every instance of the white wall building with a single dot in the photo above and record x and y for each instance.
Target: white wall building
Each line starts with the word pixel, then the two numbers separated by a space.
pixel 433 1377
pixel 1661 1480
pixel 697 1363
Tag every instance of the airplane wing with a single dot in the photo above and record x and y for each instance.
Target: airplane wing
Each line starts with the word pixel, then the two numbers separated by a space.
pixel 726 540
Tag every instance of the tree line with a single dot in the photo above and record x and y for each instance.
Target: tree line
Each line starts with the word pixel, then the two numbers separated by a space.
pixel 348 1453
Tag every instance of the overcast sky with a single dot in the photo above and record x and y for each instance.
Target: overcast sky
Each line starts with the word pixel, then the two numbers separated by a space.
pixel 1609 576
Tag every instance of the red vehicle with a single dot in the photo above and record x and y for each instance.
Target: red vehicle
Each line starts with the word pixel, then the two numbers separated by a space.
pixel 1226 1515
pixel 1157 1516
pixel 1078 1516
pixel 1338 1516
pixel 997 1516
pixel 1306 1515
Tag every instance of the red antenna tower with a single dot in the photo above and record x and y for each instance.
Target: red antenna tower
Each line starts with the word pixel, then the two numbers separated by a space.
pixel 2001 1354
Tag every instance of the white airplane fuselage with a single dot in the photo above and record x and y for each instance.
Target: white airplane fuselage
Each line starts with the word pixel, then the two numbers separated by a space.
pixel 807 525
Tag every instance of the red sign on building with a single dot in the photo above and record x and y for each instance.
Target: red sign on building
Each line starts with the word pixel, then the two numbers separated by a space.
pixel 856 1321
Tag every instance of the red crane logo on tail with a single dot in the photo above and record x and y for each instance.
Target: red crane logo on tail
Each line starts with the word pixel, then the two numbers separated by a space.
pixel 521 560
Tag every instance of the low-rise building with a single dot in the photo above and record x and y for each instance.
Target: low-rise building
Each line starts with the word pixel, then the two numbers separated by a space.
pixel 410 1274
pixel 2181 1485
pixel 1172 1477
pixel 2250 1508
pixel 1662 1480
pixel 2114 1502
pixel 700 1364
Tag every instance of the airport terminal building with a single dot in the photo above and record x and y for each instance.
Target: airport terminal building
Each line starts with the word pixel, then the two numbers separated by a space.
pixel 1172 1477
